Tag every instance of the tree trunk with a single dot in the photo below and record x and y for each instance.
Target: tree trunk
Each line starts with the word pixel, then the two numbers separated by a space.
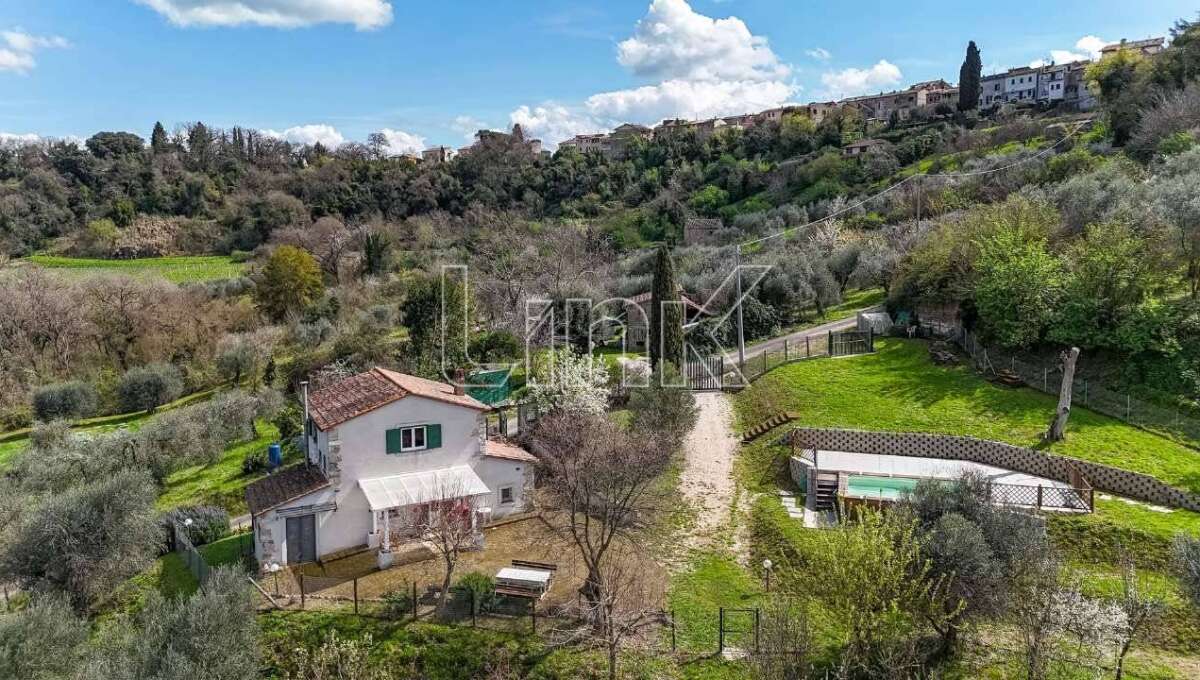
pixel 445 593
pixel 1058 426
pixel 612 661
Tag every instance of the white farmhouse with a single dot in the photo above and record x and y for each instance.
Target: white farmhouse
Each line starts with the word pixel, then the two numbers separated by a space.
pixel 381 448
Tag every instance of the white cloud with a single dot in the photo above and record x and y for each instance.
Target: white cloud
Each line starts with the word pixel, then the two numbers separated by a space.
pixel 400 142
pixel 363 14
pixel 468 126
pixel 673 41
pixel 552 122
pixel 703 67
pixel 854 81
pixel 1087 47
pixel 819 53
pixel 18 49
pixel 11 139
pixel 1091 45
pixel 326 135
pixel 689 99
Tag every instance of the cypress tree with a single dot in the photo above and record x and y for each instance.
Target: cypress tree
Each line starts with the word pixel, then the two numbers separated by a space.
pixel 968 79
pixel 666 325
pixel 158 138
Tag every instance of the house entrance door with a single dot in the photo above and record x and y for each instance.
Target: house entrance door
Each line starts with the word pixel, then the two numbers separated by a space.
pixel 301 539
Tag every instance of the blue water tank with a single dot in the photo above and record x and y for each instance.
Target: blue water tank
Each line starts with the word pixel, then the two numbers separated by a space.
pixel 275 455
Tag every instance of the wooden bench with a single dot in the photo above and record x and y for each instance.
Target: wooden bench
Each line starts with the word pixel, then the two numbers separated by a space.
pixel 526 564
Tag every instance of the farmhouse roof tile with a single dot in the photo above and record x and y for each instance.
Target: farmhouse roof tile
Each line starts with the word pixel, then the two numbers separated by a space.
pixel 351 397
pixel 283 486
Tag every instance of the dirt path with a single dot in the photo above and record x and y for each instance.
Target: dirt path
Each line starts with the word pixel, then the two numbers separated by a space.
pixel 707 478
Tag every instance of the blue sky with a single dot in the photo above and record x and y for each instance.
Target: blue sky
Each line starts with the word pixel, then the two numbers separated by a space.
pixel 429 73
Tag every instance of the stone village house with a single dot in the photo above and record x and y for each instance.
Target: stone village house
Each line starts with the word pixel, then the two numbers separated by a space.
pixel 381 448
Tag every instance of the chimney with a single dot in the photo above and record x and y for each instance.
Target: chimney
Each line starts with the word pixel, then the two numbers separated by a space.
pixel 460 380
pixel 304 427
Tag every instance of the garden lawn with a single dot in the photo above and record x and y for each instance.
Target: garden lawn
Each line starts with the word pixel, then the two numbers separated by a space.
pixel 221 483
pixel 187 269
pixel 898 388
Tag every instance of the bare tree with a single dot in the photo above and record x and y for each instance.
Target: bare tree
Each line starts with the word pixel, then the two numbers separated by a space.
pixel 1141 609
pixel 1058 426
pixel 628 604
pixel 598 486
pixel 450 526
pixel 785 641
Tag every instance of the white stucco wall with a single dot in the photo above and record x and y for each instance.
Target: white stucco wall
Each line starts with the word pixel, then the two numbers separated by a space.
pixel 356 449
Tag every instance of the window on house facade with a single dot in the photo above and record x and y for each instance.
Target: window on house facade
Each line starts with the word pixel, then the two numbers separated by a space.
pixel 413 438
pixel 506 495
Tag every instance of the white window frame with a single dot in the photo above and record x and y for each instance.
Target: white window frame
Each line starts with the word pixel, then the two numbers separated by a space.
pixel 512 496
pixel 411 431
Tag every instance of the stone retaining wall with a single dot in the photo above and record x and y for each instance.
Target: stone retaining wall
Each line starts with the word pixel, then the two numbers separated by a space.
pixel 1049 465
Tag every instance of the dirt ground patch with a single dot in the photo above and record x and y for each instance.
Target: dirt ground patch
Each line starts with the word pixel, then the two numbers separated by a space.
pixel 707 478
pixel 528 539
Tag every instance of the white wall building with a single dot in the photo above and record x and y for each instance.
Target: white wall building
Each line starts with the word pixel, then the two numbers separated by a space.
pixel 382 448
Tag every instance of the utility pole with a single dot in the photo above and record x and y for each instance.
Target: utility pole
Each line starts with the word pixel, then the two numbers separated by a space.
pixel 737 264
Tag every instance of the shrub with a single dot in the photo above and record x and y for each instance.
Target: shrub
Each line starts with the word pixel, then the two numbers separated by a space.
pixel 255 462
pixel 482 586
pixel 16 418
pixel 209 522
pixel 145 388
pixel 397 604
pixel 1187 563
pixel 74 399
pixel 240 256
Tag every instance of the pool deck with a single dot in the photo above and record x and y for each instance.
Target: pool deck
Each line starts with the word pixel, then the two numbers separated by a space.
pixel 920 467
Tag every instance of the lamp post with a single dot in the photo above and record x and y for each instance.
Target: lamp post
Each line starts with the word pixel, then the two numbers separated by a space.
pixel 741 337
pixel 767 564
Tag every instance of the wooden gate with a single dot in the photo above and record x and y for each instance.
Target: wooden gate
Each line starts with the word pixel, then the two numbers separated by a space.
pixel 845 343
pixel 705 374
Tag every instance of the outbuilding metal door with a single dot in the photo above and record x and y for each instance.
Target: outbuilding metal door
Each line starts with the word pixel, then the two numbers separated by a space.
pixel 301 539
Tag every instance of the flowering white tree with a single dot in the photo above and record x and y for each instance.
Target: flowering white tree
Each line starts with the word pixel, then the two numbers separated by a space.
pixel 1058 622
pixel 570 382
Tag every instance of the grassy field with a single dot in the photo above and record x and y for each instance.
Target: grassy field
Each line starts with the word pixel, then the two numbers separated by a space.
pixel 186 269
pixel 221 483
pixel 899 389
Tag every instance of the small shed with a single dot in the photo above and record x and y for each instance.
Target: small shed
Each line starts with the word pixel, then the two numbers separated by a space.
pixel 877 322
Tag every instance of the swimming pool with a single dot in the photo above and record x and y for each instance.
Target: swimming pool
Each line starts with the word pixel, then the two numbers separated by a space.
pixel 871 486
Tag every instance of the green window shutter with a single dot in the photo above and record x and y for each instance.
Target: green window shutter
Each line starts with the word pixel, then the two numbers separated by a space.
pixel 433 436
pixel 393 440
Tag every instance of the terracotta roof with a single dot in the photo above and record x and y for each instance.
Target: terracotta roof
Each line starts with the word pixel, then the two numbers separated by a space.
pixel 642 298
pixel 508 451
pixel 351 397
pixel 286 485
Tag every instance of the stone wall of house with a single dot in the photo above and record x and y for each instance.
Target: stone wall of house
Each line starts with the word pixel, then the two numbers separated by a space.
pixel 1102 477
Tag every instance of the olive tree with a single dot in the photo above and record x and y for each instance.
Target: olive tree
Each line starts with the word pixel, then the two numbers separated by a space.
pixel 85 541
pixel 44 641
pixel 145 388
pixel 212 634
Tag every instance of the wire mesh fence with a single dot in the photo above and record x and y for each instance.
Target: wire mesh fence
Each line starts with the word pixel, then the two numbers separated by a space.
pixel 1176 422
pixel 191 556
pixel 792 349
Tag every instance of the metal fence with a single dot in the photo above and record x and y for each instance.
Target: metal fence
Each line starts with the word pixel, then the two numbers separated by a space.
pixel 815 346
pixel 412 602
pixel 191 556
pixel 1172 422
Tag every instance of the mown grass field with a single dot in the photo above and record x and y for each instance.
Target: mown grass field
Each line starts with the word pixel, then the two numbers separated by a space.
pixel 221 483
pixel 185 269
pixel 899 389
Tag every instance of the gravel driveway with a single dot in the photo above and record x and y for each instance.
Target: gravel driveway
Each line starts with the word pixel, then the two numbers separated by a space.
pixel 707 478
